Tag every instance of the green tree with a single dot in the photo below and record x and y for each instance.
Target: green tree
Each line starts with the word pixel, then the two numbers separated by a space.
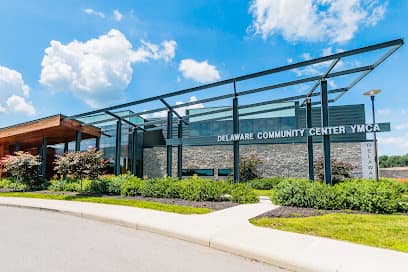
pixel 22 167
pixel 81 165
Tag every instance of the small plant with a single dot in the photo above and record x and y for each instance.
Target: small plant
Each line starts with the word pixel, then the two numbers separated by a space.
pixel 22 167
pixel 81 165
pixel 265 183
pixel 364 195
pixel 243 193
pixel 8 184
pixel 248 168
pixel 340 170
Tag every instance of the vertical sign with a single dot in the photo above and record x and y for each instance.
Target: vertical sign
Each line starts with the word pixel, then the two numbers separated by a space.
pixel 368 160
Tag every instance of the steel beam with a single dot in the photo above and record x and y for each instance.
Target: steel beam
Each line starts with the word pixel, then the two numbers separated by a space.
pixel 274 101
pixel 134 152
pixel 117 117
pixel 118 147
pixel 256 90
pixel 180 150
pixel 250 76
pixel 235 124
pixel 169 147
pixel 309 138
pixel 98 143
pixel 78 141
pixel 44 157
pixel 326 138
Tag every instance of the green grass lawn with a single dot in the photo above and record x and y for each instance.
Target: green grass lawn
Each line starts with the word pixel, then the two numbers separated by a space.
pixel 116 201
pixel 386 231
pixel 263 192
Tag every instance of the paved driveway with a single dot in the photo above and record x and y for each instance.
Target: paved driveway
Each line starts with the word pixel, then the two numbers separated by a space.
pixel 33 240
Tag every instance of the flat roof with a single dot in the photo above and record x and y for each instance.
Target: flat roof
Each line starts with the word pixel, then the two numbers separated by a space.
pixel 57 129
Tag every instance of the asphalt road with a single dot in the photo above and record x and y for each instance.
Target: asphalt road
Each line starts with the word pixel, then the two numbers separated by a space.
pixel 33 240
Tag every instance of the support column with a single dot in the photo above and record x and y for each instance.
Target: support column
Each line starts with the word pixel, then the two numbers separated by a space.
pixel 326 138
pixel 98 143
pixel 235 124
pixel 169 147
pixel 134 152
pixel 118 147
pixel 180 150
pixel 65 148
pixel 309 138
pixel 78 141
pixel 44 157
pixel 17 148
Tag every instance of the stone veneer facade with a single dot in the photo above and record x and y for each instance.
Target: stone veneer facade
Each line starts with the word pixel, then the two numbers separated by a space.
pixel 289 160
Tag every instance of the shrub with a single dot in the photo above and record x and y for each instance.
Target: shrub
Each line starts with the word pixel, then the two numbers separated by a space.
pixel 81 165
pixel 159 187
pixel 113 184
pixel 12 185
pixel 248 168
pixel 88 164
pixel 364 195
pixel 340 170
pixel 265 183
pixel 69 185
pixel 132 186
pixel 22 167
pixel 243 193
pixel 202 189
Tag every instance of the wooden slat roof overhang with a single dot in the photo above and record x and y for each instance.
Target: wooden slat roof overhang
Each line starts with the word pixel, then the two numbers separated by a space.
pixel 57 129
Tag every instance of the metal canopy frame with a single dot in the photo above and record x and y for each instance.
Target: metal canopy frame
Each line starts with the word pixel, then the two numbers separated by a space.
pixel 305 99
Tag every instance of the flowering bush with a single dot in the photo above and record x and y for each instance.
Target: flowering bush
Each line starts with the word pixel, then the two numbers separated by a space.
pixel 81 165
pixel 22 167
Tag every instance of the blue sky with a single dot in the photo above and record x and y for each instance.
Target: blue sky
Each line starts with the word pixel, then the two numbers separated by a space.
pixel 73 56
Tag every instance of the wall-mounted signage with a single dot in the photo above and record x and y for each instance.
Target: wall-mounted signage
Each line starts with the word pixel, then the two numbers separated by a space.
pixel 301 132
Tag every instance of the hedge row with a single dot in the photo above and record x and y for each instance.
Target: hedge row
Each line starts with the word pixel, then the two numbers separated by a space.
pixel 12 185
pixel 196 189
pixel 364 195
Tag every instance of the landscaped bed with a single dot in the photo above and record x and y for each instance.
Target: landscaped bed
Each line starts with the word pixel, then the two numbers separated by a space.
pixel 212 205
pixel 379 230
pixel 361 211
pixel 112 201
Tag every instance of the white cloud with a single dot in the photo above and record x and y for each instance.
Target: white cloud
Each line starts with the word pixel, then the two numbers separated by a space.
pixel 93 12
pixel 20 105
pixel 201 72
pixel 181 110
pixel 402 126
pixel 384 112
pixel 399 143
pixel 315 20
pixel 321 67
pixel 14 92
pixel 98 70
pixel 117 15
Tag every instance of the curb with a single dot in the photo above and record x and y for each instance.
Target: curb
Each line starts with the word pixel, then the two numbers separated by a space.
pixel 287 250
pixel 168 233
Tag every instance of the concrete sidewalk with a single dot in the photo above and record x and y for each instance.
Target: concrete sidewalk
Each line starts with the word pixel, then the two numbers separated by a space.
pixel 229 230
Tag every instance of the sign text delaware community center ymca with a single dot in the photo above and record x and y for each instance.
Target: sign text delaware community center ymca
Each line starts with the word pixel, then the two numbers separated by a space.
pixel 301 132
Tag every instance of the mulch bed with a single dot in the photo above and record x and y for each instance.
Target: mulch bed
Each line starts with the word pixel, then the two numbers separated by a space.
pixel 292 212
pixel 213 205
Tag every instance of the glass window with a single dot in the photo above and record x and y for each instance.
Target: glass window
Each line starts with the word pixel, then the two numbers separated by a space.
pixel 224 172
pixel 198 172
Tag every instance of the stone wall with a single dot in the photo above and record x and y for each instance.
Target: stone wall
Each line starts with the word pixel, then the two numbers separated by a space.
pixel 395 172
pixel 289 160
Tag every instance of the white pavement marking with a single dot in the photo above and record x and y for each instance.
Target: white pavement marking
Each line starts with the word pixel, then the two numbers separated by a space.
pixel 229 230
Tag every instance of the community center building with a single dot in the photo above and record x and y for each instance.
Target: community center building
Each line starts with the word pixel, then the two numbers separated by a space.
pixel 209 136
